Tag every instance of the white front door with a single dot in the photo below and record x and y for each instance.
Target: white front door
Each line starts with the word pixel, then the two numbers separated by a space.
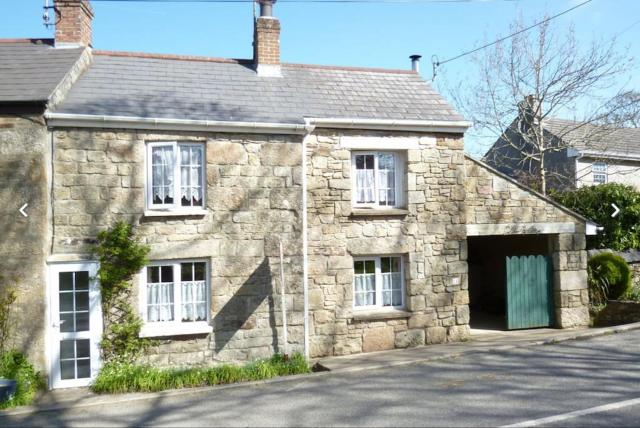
pixel 75 324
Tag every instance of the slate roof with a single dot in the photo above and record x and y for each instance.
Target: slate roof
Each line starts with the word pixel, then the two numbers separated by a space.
pixel 31 69
pixel 154 86
pixel 590 137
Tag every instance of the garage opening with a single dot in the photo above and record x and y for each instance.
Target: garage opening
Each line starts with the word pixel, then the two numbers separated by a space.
pixel 494 306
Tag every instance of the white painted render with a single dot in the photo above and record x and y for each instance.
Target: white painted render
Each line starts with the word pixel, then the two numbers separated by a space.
pixel 623 172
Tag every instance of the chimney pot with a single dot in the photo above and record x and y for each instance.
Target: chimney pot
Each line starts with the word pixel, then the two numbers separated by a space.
pixel 266 7
pixel 415 62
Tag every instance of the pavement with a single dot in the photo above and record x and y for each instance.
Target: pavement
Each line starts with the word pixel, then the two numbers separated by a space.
pixel 482 342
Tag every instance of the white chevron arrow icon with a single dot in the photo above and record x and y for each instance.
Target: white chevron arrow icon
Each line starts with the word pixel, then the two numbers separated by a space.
pixel 617 210
pixel 22 208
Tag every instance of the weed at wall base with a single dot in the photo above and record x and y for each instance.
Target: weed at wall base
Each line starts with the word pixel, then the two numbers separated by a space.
pixel 120 377
pixel 14 365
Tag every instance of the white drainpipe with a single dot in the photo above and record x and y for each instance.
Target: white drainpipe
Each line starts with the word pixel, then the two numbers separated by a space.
pixel 283 302
pixel 305 245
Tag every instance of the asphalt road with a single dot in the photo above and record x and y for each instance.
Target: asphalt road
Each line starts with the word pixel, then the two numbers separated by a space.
pixel 552 385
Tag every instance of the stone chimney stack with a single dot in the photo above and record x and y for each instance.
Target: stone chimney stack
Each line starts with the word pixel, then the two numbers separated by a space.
pixel 73 23
pixel 266 41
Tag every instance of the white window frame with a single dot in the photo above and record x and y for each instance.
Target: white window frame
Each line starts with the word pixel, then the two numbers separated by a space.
pixel 378 281
pixel 399 157
pixel 177 326
pixel 599 169
pixel 177 191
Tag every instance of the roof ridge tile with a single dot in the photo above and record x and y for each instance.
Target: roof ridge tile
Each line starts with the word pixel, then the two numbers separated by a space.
pixel 198 58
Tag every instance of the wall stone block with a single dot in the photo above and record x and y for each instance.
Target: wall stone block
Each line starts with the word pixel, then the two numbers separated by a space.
pixel 410 338
pixel 435 335
pixel 378 339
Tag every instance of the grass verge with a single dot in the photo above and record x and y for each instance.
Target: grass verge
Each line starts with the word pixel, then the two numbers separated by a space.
pixel 120 377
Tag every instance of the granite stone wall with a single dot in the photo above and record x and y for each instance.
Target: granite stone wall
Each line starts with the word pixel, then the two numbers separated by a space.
pixel 253 199
pixel 494 199
pixel 429 234
pixel 24 240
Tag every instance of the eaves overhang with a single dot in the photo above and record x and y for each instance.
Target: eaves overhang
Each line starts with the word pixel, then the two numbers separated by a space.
pixel 69 120
pixel 444 126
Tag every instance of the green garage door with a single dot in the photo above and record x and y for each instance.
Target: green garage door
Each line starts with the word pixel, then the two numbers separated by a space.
pixel 529 292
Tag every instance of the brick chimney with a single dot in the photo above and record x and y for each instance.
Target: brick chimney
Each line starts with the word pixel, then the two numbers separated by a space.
pixel 266 41
pixel 73 23
pixel 530 108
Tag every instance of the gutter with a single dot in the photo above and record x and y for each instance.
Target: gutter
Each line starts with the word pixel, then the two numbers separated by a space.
pixel 70 120
pixel 458 127
pixel 604 155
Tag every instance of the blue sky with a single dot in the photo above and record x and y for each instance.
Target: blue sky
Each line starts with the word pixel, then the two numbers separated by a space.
pixel 358 34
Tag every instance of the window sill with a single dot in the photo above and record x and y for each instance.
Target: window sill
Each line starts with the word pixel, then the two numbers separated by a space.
pixel 374 315
pixel 175 213
pixel 175 329
pixel 379 212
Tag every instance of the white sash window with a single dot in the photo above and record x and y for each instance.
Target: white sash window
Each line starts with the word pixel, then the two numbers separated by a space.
pixel 599 170
pixel 175 298
pixel 175 176
pixel 378 282
pixel 377 179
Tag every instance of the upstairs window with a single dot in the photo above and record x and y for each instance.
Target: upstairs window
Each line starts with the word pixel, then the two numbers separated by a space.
pixel 377 179
pixel 175 176
pixel 599 171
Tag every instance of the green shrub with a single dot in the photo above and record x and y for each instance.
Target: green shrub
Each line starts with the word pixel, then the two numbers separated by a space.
pixel 121 256
pixel 14 365
pixel 609 277
pixel 119 377
pixel 620 233
pixel 8 296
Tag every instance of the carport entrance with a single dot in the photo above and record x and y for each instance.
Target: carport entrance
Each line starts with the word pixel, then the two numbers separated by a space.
pixel 510 285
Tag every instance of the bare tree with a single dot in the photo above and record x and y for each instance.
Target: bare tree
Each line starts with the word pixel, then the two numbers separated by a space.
pixel 535 75
pixel 625 109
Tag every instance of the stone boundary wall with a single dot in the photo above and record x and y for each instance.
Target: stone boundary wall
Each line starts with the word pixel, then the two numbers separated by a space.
pixel 618 312
pixel 253 198
pixel 635 271
pixel 431 239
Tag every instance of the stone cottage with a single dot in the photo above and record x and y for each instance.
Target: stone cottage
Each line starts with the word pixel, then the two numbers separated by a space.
pixel 359 173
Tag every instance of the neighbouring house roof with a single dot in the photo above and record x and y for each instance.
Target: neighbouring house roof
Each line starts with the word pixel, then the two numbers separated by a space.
pixel 195 88
pixel 31 69
pixel 594 139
